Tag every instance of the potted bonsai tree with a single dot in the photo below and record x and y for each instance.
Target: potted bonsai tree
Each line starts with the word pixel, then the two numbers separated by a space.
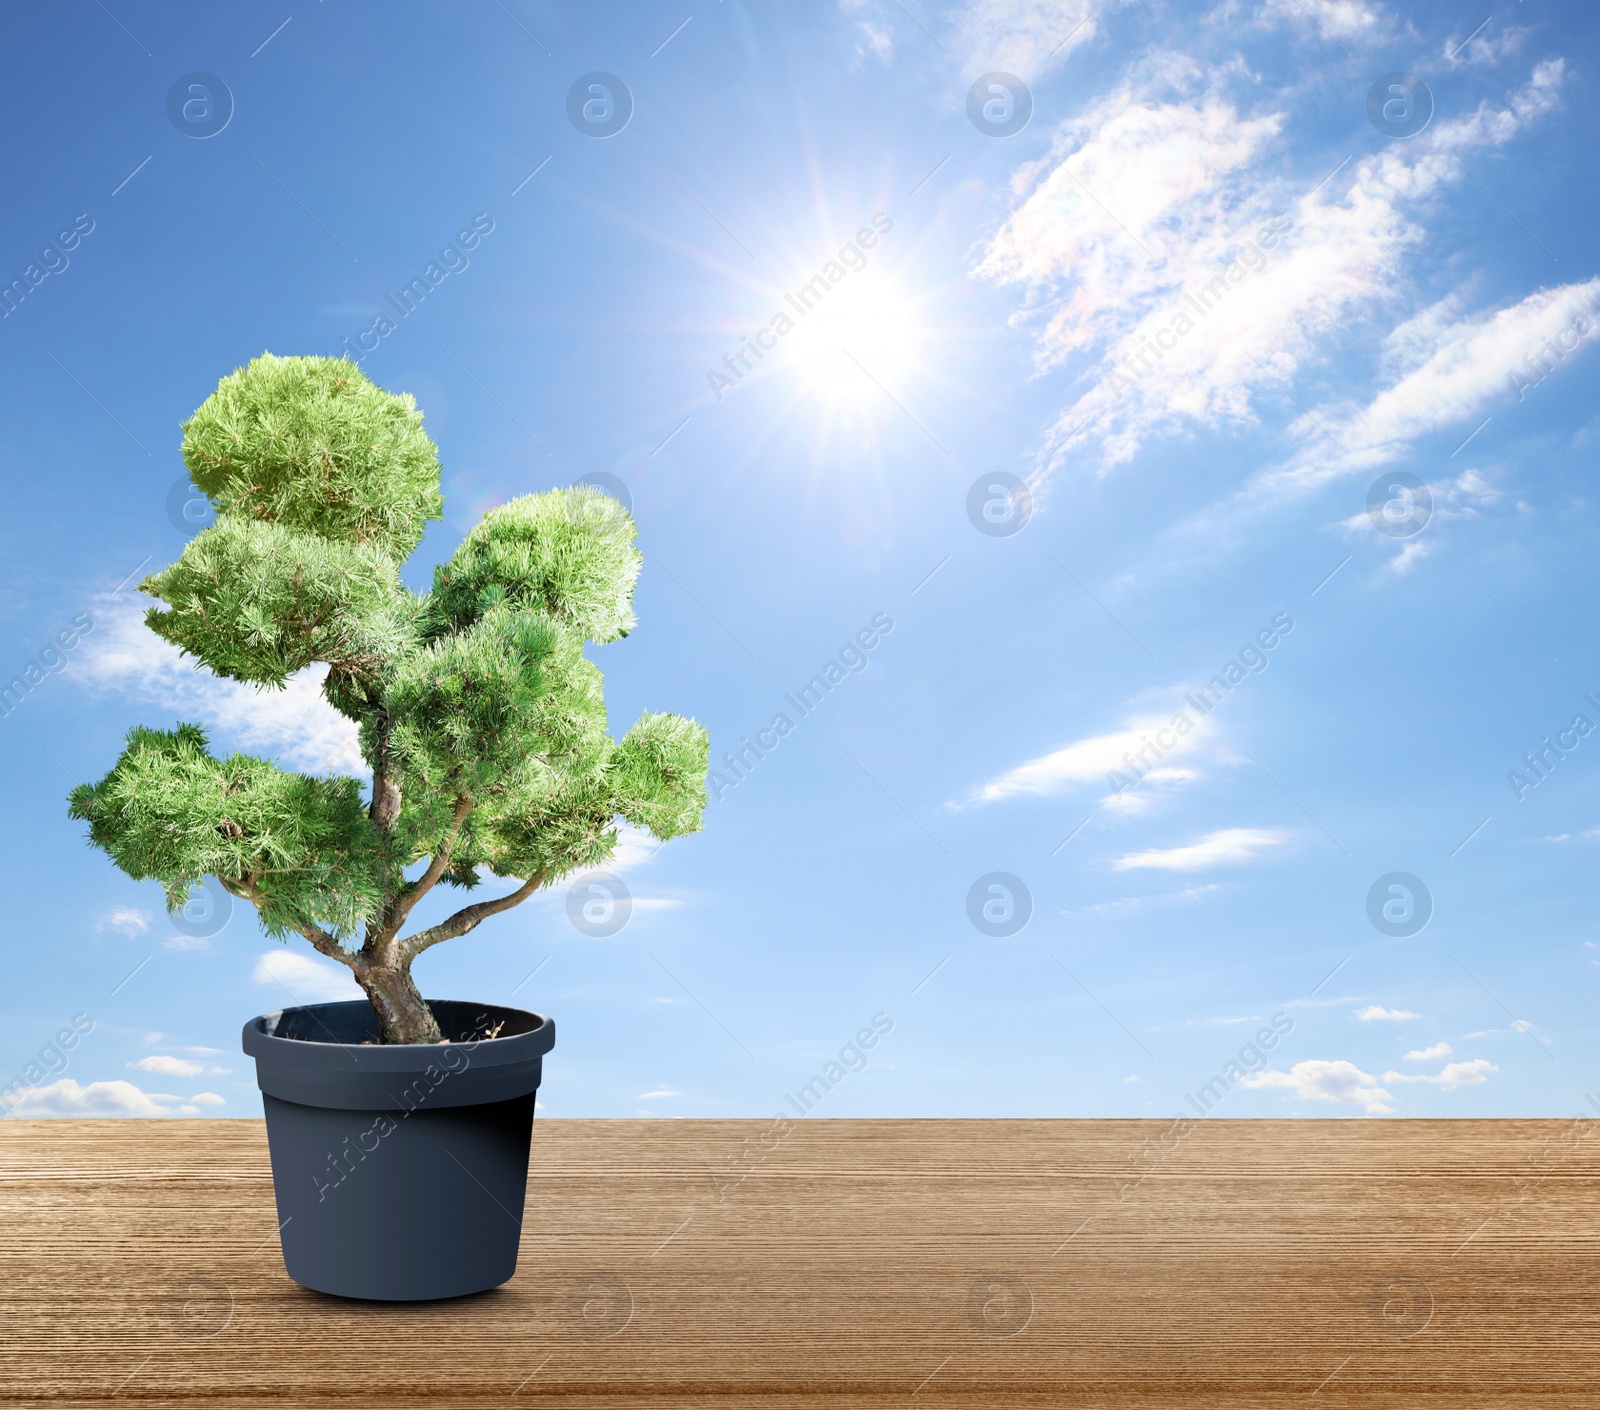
pixel 399 1127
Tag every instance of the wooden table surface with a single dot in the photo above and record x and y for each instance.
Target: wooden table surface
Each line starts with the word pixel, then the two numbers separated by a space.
pixel 842 1264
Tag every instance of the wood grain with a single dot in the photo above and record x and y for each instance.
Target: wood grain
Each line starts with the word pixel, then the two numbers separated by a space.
pixel 844 1264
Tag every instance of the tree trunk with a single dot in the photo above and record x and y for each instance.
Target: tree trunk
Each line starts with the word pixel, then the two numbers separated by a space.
pixel 385 807
pixel 403 1017
pixel 385 800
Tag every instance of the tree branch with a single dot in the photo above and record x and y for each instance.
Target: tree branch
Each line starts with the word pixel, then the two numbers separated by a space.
pixel 395 913
pixel 467 918
pixel 320 940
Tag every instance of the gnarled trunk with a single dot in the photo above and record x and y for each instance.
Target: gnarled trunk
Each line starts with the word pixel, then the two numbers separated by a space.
pixel 402 1015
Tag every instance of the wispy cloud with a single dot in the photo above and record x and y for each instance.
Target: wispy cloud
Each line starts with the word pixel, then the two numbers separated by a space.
pixel 303 979
pixel 1470 365
pixel 873 36
pixel 1318 1079
pixel 166 1065
pixel 188 944
pixel 1345 20
pixel 1209 1022
pixel 1093 759
pixel 1025 37
pixel 1126 904
pixel 1471 1073
pixel 1225 846
pixel 1161 239
pixel 636 848
pixel 294 725
pixel 126 920
pixel 1489 44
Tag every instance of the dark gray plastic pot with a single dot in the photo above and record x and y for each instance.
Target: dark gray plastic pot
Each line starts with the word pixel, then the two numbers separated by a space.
pixel 400 1169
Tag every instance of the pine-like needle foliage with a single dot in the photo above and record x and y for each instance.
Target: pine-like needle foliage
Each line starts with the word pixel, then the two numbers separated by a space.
pixel 481 718
pixel 171 811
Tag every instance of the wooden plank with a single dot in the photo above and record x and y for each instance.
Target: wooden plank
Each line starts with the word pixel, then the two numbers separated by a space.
pixel 843 1264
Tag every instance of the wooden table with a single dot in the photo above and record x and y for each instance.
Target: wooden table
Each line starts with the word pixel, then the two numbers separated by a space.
pixel 843 1264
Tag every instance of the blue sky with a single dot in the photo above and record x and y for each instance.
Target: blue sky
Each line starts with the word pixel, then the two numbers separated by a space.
pixel 1201 305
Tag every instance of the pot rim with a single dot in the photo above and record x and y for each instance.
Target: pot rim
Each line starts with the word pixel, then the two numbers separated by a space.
pixel 262 1041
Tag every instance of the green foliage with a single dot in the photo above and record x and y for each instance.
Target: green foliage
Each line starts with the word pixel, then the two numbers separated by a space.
pixel 549 821
pixel 171 811
pixel 658 775
pixel 510 693
pixel 479 714
pixel 310 443
pixel 257 602
pixel 568 554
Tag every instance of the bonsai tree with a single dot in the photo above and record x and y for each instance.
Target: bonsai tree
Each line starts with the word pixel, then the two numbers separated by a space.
pixel 480 718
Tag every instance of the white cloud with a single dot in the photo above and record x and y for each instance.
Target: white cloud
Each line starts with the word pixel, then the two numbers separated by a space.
pixel 208 1099
pixel 1142 241
pixel 1211 1022
pixel 1491 127
pixel 190 943
pixel 872 36
pixel 659 1093
pixel 168 1066
pixel 1092 760
pixel 1472 1073
pixel 64 1097
pixel 1466 496
pixel 1488 45
pixel 1320 1080
pixel 126 920
pixel 1377 1013
pixel 1429 1054
pixel 635 847
pixel 1125 904
pixel 1468 367
pixel 877 41
pixel 294 725
pixel 1411 553
pixel 1331 19
pixel 1470 489
pixel 305 979
pixel 1226 845
pixel 1024 37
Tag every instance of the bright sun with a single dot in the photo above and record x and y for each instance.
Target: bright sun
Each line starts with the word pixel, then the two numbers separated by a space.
pixel 861 342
